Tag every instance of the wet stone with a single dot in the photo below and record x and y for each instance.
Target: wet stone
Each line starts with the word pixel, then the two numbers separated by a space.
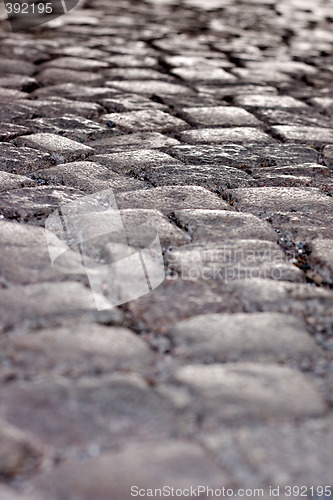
pixel 88 177
pixel 76 350
pixel 219 116
pixel 74 415
pixel 312 135
pixel 171 198
pixel 243 392
pixel 60 148
pixel 221 225
pixel 184 464
pixel 223 135
pixel 22 160
pixel 259 337
pixel 245 156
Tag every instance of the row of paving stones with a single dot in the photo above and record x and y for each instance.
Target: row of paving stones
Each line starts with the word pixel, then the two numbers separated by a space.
pixel 217 134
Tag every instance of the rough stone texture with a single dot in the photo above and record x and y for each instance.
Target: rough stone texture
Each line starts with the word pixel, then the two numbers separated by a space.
pixel 221 135
pixel 264 337
pixel 211 122
pixel 60 148
pixel 238 392
pixel 171 198
pixel 145 120
pixel 87 176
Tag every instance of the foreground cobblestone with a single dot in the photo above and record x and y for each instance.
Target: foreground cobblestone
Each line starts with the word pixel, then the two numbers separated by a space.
pixel 211 122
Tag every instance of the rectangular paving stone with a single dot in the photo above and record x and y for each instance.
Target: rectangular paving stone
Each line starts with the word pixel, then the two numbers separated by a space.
pixel 135 74
pixel 216 225
pixel 219 116
pixel 77 63
pixel 150 87
pixel 232 260
pixel 88 177
pixel 301 117
pixel 245 156
pixel 258 337
pixel 171 198
pixel 22 160
pixel 268 101
pixel 60 148
pixel 56 76
pixel 236 393
pixel 215 178
pixel 76 350
pixel 9 131
pixel 134 162
pixel 74 91
pixel 321 259
pixel 223 135
pixel 325 104
pixel 133 141
pixel 130 102
pixel 145 120
pixel 328 155
pixel 18 66
pixel 307 135
pixel 204 74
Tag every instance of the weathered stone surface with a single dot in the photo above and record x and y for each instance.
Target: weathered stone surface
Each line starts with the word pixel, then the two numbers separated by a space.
pixel 73 127
pixel 11 94
pixel 185 464
pixel 22 160
pixel 21 67
pixel 35 204
pixel 245 156
pixel 150 87
pixel 232 260
pixel 216 178
pixel 268 101
pixel 75 91
pixel 89 412
pixel 145 120
pixel 76 350
pixel 257 337
pixel 204 74
pixel 304 135
pixel 18 454
pixel 88 177
pixel 171 198
pixel 135 74
pixel 328 155
pixel 10 131
pixel 134 162
pixel 219 116
pixel 222 135
pixel 60 148
pixel 239 392
pixel 134 141
pixel 217 225
pixel 284 116
pixel 11 181
pixel 77 63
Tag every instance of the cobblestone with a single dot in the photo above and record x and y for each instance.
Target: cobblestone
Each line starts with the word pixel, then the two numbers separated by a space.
pixel 211 124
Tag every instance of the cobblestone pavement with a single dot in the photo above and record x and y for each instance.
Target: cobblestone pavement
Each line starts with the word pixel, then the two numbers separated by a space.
pixel 212 120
